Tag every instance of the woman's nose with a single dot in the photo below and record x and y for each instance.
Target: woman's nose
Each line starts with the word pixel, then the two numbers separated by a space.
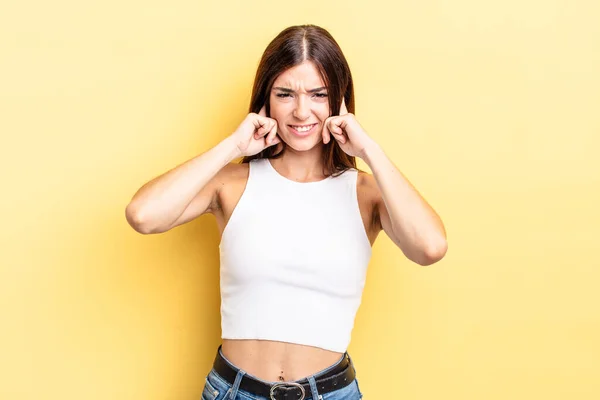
pixel 302 110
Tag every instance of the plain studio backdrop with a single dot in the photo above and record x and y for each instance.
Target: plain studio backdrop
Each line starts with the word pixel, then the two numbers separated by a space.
pixel 491 108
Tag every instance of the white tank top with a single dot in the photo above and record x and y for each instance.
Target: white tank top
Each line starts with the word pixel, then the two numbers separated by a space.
pixel 294 260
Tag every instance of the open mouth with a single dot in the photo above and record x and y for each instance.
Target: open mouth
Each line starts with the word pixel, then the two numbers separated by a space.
pixel 303 130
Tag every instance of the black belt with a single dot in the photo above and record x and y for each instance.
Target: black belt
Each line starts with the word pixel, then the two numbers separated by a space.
pixel 338 377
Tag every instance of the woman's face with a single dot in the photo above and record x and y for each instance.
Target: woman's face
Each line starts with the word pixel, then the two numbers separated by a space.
pixel 300 104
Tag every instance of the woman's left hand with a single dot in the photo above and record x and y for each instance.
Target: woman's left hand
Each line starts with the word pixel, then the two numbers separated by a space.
pixel 344 128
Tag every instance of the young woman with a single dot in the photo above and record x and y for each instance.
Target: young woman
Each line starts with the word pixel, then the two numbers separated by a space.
pixel 297 222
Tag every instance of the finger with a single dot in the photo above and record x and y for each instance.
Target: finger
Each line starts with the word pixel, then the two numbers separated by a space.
pixel 262 125
pixel 335 129
pixel 325 132
pixel 340 137
pixel 335 125
pixel 343 109
pixel 263 111
pixel 272 135
pixel 260 132
pixel 275 141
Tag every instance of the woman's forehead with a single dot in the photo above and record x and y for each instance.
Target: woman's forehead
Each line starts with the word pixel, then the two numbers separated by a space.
pixel 302 77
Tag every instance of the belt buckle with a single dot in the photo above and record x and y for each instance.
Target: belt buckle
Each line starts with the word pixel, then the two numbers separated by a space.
pixel 275 386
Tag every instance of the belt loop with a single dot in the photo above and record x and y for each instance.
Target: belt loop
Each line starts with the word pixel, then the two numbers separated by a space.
pixel 351 362
pixel 236 384
pixel 313 388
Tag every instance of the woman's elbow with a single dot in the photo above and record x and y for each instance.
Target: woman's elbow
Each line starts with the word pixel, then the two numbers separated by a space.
pixel 434 253
pixel 135 220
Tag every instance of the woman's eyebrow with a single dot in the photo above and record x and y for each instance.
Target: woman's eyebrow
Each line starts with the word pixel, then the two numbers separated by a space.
pixel 288 90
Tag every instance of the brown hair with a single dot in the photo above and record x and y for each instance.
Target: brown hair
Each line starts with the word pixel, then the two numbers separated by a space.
pixel 291 47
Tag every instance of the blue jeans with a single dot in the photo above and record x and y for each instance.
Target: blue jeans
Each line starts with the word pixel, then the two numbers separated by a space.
pixel 216 388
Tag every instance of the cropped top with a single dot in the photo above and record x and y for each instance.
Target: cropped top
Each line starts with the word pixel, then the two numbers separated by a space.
pixel 294 260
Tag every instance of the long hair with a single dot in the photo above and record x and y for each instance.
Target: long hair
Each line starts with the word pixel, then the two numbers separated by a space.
pixel 292 47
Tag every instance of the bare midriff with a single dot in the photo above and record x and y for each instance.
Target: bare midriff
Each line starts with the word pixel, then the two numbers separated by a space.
pixel 273 361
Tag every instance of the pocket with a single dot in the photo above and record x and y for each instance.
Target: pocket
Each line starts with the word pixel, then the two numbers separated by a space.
pixel 209 392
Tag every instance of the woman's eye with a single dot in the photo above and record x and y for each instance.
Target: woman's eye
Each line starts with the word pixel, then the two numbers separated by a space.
pixel 283 95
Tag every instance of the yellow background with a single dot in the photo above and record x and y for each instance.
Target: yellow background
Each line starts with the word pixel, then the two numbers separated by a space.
pixel 491 108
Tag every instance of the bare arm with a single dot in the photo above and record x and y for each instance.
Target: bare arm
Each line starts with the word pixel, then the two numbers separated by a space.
pixel 157 206
pixel 190 189
pixel 405 215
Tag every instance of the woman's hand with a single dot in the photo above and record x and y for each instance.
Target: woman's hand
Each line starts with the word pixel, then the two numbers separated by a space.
pixel 344 128
pixel 255 133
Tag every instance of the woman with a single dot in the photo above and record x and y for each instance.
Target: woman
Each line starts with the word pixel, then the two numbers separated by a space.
pixel 297 221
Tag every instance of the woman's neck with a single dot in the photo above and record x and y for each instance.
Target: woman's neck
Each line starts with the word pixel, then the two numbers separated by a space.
pixel 301 166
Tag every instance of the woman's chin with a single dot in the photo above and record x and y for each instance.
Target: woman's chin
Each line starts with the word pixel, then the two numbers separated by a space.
pixel 304 144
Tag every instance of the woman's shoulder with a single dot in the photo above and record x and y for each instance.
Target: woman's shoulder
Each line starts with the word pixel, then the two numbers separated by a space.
pixel 233 172
pixel 366 181
pixel 231 181
pixel 367 187
pixel 369 200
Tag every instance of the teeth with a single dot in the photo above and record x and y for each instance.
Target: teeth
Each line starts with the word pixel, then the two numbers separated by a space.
pixel 303 128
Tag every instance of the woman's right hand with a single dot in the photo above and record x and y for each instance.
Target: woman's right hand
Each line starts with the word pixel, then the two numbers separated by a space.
pixel 256 133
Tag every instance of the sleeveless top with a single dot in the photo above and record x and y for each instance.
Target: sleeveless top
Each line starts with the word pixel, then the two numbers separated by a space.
pixel 294 260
